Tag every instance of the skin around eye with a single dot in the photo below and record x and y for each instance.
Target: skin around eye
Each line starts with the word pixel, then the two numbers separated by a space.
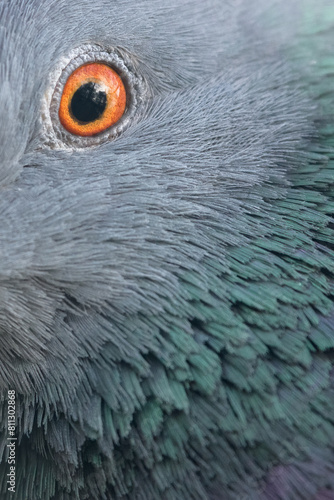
pixel 93 99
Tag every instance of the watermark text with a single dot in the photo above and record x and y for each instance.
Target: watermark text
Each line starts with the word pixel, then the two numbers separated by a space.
pixel 11 444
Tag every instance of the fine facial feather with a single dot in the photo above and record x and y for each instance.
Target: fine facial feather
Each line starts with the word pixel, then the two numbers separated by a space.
pixel 166 297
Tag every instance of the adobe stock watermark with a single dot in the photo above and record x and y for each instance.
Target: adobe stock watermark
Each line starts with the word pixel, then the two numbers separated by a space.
pixel 11 445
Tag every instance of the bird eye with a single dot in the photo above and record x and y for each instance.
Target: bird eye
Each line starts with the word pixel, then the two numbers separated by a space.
pixel 93 100
pixel 95 94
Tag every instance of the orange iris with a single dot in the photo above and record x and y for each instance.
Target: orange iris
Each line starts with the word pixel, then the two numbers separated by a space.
pixel 93 99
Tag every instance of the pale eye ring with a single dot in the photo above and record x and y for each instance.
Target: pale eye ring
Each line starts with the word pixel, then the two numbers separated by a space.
pixel 97 95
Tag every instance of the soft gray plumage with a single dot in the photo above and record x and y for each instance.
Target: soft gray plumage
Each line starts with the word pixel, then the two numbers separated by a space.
pixel 161 293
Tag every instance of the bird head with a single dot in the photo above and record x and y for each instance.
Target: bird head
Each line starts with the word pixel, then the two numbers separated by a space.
pixel 137 263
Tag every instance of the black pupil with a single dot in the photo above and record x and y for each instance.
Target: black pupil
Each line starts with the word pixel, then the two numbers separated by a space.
pixel 88 103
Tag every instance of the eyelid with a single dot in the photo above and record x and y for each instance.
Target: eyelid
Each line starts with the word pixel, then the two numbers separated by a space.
pixel 137 91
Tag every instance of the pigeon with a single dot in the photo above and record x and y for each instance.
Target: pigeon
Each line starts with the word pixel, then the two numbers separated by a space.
pixel 167 250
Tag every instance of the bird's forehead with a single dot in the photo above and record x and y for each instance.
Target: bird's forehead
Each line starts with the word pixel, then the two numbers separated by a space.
pixel 152 31
pixel 177 43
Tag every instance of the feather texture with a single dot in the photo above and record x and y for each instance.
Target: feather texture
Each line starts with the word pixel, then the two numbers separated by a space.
pixel 166 313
